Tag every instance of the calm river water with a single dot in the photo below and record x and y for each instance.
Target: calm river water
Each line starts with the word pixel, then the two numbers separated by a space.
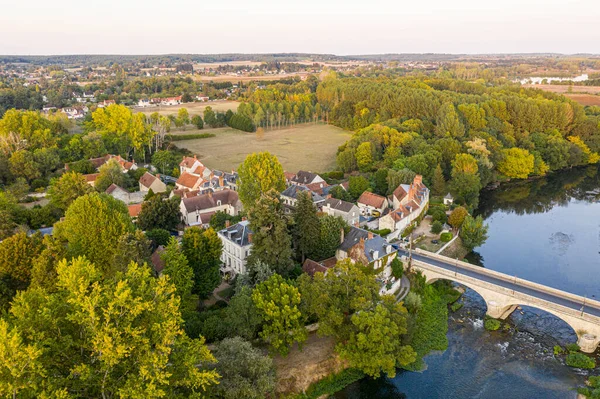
pixel 547 231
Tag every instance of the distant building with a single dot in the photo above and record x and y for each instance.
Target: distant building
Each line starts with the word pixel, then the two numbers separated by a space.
pixel 409 202
pixel 303 177
pixel 199 209
pixel 150 182
pixel 369 203
pixel 346 210
pixel 289 197
pixel 448 199
pixel 237 244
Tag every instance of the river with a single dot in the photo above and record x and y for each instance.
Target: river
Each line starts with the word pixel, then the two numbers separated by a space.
pixel 547 231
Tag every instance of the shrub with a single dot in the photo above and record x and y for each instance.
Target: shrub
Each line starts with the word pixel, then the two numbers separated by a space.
pixel 492 324
pixel 382 232
pixel 413 302
pixel 572 348
pixel 241 122
pixel 445 237
pixel 332 384
pixel 397 268
pixel 557 350
pixel 436 227
pixel 181 137
pixel 336 175
pixel 158 236
pixel 580 361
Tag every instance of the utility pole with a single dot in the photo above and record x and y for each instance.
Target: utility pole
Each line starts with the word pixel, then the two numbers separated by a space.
pixel 410 251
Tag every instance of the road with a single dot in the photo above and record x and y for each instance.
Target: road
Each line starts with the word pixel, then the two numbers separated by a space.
pixel 506 283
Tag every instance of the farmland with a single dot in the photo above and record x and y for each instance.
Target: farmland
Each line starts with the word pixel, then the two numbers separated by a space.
pixel 584 95
pixel 309 147
pixel 196 108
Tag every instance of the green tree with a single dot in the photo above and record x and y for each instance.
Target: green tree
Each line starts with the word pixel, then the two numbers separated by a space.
pixel 203 248
pixel 436 227
pixel 397 268
pixel 158 237
pixel 516 163
pixel 18 253
pixel 277 303
pixel 357 185
pixel 131 247
pixel 438 186
pixel 245 372
pixel 23 165
pixel 329 236
pixel 177 268
pixel 346 160
pixel 117 335
pixel 66 189
pixel 259 173
pixel 271 242
pixel 241 316
pixel 364 156
pixel 165 161
pixel 210 117
pixel 457 217
pixel 92 226
pixel 306 225
pixel 110 173
pixel 473 232
pixel 380 182
pixel 160 213
pixel 198 122
pixel 448 123
pixel 183 116
pixel 375 344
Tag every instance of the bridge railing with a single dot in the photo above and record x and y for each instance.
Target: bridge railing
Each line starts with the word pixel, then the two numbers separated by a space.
pixel 511 279
pixel 525 299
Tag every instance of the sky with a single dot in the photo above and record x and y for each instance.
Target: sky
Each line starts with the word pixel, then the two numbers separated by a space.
pixel 44 27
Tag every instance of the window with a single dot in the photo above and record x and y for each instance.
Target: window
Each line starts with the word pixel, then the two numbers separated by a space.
pixel 218 202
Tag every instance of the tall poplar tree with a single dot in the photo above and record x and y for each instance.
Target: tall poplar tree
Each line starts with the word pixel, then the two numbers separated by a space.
pixel 306 226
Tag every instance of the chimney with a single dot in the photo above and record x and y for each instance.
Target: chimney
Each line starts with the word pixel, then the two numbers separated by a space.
pixel 227 224
pixel 244 218
pixel 210 193
pixel 221 181
pixel 250 237
pixel 375 255
pixel 195 156
pixel 342 235
pixel 370 235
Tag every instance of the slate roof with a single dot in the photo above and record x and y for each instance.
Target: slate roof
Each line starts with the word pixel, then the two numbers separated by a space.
pixel 238 233
pixel 304 177
pixel 338 204
pixel 293 191
pixel 372 245
pixel 208 201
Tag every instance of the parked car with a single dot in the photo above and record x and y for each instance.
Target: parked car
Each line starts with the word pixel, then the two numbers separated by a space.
pixel 434 241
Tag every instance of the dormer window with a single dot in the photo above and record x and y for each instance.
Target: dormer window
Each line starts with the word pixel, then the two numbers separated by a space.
pixel 218 202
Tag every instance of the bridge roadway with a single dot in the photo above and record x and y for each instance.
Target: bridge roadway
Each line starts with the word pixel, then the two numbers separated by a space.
pixel 508 283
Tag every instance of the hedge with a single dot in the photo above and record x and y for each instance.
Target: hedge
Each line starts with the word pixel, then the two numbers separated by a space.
pixel 332 384
pixel 181 137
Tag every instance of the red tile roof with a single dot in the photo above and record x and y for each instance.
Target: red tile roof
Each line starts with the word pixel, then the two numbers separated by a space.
pixel 188 180
pixel 147 179
pixel 91 177
pixel 371 199
pixel 134 210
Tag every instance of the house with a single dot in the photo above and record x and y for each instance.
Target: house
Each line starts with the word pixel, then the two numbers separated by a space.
pixel 198 210
pixel 237 243
pixel 144 102
pixel 304 177
pixel 189 181
pixel 367 248
pixel 410 201
pixel 448 199
pixel 118 193
pixel 369 203
pixel 156 260
pixel 288 177
pixel 319 188
pixel 346 210
pixel 193 165
pixel 91 178
pixel 202 97
pixel 134 210
pixel 311 267
pixel 98 162
pixel 150 182
pixel 171 101
pixel 289 197
pixel 106 103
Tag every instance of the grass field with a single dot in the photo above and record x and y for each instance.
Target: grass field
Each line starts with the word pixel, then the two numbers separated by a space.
pixel 584 95
pixel 585 99
pixel 308 147
pixel 196 108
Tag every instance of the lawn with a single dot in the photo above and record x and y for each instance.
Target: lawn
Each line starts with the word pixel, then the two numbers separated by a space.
pixel 195 108
pixel 308 147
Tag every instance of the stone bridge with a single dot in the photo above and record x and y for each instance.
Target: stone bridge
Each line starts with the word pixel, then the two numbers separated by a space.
pixel 503 293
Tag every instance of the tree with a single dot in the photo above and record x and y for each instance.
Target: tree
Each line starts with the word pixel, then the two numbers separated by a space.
pixel 23 165
pixel 203 248
pixel 165 161
pixel 218 220
pixel 245 372
pixel 306 225
pixel 364 156
pixel 380 182
pixel 117 335
pixel 20 366
pixel 397 177
pixel 183 116
pixel 177 268
pixel 277 304
pixel 259 173
pixel 397 268
pixel 357 185
pixel 271 242
pixel 516 163
pixel 473 232
pixel 158 237
pixel 198 122
pixel 346 160
pixel 438 186
pixel 375 344
pixel 160 213
pixel 457 217
pixel 436 227
pixel 131 247
pixel 92 226
pixel 338 192
pixel 448 123
pixel 241 316
pixel 209 117
pixel 66 189
pixel 329 236
pixel 18 254
pixel 110 173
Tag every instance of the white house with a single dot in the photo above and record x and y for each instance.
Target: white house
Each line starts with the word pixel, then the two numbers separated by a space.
pixel 303 177
pixel 150 182
pixel 237 243
pixel 194 166
pixel 289 196
pixel 369 203
pixel 144 102
pixel 409 202
pixel 346 210
pixel 199 209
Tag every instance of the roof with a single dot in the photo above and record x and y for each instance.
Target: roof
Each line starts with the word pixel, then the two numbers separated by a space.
pixel 338 204
pixel 134 210
pixel 147 179
pixel 448 196
pixel 372 199
pixel 113 187
pixel 401 191
pixel 289 175
pixel 293 191
pixel 209 201
pixel 345 185
pixel 304 177
pixel 373 243
pixel 188 180
pixel 317 187
pixel 188 162
pixel 238 233
pixel 311 267
pixel 91 177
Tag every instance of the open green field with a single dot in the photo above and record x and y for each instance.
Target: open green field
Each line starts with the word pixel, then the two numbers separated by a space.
pixel 308 147
pixel 195 108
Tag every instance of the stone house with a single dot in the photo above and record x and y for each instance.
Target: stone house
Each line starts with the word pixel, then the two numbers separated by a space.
pixel 237 244
pixel 199 209
pixel 346 210
pixel 369 203
pixel 289 196
pixel 410 201
pixel 150 182
pixel 367 248
pixel 303 177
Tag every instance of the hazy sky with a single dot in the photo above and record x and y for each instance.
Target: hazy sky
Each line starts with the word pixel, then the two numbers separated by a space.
pixel 318 26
